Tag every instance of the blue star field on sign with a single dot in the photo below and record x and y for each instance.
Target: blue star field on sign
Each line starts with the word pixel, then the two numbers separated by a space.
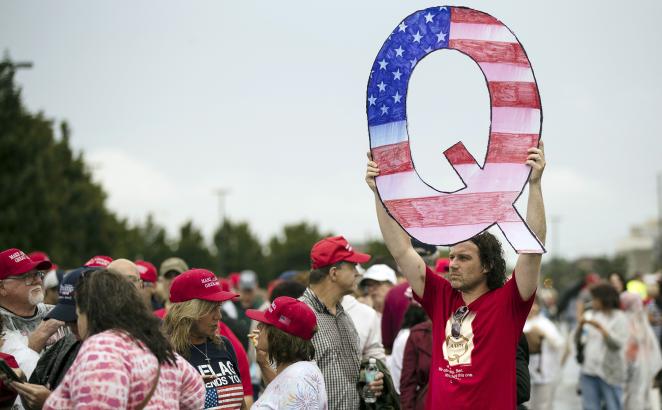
pixel 416 36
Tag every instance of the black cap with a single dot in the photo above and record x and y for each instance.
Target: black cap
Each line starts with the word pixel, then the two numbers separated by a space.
pixel 65 310
pixel 423 249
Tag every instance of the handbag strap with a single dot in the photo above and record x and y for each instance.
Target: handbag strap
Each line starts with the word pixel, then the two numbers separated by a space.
pixel 147 398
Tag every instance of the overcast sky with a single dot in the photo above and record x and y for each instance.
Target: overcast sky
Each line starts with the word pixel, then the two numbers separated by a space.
pixel 172 100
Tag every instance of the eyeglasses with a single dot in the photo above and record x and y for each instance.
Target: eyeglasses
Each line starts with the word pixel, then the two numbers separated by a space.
pixel 136 281
pixel 30 278
pixel 171 274
pixel 458 317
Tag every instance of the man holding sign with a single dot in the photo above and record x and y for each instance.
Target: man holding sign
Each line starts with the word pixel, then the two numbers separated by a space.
pixel 477 315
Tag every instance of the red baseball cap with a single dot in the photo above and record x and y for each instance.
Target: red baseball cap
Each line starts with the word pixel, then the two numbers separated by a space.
pixel 38 256
pixel 335 249
pixel 147 271
pixel 234 279
pixel 14 262
pixel 198 284
pixel 442 266
pixel 99 261
pixel 289 315
pixel 226 286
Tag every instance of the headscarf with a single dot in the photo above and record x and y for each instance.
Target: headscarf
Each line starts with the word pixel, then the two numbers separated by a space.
pixel 642 352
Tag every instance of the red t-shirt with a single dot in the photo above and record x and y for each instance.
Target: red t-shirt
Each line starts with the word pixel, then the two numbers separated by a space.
pixel 477 369
pixel 395 307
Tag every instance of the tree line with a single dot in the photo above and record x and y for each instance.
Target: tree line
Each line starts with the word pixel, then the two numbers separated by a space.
pixel 50 202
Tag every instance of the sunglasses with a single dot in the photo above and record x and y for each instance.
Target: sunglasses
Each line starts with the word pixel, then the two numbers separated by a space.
pixel 458 317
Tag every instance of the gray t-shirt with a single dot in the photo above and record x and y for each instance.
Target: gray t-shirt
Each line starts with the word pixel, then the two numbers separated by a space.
pixel 24 325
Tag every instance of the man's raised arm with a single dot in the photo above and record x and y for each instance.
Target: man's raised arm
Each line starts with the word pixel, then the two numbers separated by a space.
pixel 527 268
pixel 396 239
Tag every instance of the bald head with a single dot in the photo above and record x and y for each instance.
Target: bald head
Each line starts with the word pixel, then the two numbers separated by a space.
pixel 127 269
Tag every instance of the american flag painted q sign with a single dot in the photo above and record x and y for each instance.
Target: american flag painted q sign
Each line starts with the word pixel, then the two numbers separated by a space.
pixel 446 218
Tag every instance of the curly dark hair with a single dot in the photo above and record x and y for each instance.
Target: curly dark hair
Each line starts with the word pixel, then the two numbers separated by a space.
pixel 607 295
pixel 112 302
pixel 491 257
pixel 414 315
pixel 286 348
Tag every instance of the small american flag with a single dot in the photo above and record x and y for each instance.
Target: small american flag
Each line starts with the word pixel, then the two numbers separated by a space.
pixel 228 397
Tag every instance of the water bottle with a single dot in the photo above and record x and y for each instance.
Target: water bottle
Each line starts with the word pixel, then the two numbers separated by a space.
pixel 370 374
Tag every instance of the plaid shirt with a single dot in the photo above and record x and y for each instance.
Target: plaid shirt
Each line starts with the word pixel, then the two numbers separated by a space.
pixel 336 353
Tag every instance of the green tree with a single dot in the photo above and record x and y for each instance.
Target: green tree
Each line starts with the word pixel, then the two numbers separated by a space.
pixel 48 199
pixel 237 248
pixel 380 254
pixel 153 243
pixel 564 273
pixel 290 249
pixel 606 265
pixel 192 248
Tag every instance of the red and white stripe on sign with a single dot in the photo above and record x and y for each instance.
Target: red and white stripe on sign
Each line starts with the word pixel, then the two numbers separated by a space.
pixel 456 209
pixel 513 95
pixel 515 126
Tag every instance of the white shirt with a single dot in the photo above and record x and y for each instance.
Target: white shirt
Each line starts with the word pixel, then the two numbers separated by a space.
pixel 601 360
pixel 394 361
pixel 368 324
pixel 229 309
pixel 545 366
pixel 15 344
pixel 299 386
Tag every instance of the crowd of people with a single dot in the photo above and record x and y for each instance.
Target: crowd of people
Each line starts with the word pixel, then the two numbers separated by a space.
pixel 610 327
pixel 444 333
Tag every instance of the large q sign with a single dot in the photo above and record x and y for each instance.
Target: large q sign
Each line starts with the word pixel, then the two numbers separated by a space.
pixel 446 218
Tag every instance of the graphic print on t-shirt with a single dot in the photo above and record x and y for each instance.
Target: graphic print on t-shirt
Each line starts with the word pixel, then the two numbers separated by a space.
pixel 225 388
pixel 218 367
pixel 458 350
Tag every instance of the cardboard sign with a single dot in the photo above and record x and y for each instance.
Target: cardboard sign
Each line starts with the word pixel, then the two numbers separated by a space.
pixel 446 218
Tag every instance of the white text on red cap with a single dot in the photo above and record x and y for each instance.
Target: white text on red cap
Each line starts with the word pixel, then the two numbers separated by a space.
pixel 209 282
pixel 18 256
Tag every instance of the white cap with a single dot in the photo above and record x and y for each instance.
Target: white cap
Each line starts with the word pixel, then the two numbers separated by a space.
pixel 247 280
pixel 50 280
pixel 380 273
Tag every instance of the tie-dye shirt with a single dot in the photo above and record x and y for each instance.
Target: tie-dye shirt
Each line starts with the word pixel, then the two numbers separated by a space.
pixel 299 387
pixel 113 371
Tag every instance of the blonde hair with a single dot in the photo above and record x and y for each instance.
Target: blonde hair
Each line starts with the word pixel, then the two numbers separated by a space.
pixel 181 318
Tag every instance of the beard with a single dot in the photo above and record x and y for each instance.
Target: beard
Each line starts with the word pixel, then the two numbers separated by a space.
pixel 36 295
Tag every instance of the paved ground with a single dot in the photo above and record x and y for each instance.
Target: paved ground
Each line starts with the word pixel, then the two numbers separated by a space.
pixel 566 394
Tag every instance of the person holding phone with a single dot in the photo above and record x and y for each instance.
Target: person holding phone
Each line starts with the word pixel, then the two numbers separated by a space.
pixel 56 361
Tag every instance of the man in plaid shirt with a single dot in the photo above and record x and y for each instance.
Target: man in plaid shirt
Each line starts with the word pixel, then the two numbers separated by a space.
pixel 336 342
